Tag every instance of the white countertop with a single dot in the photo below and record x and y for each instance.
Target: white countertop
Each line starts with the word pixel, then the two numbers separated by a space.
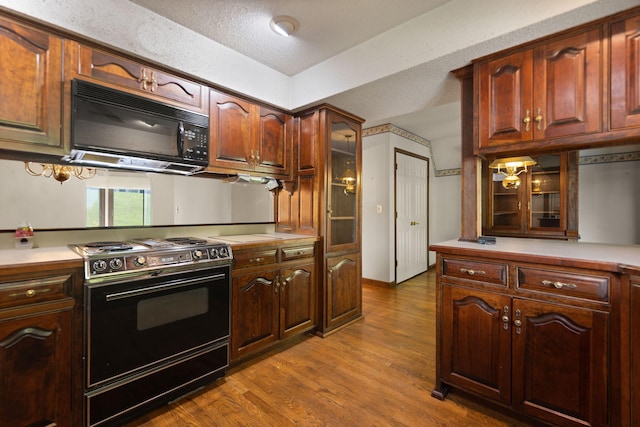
pixel 580 251
pixel 37 255
pixel 63 253
pixel 262 237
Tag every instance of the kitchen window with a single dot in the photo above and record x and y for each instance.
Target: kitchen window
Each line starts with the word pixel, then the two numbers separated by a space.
pixel 117 207
pixel 118 199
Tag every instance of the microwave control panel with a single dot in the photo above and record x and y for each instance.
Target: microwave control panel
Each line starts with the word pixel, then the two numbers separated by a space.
pixel 195 143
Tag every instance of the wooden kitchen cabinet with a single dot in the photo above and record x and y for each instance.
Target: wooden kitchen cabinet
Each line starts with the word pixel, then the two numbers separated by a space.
pixel 531 337
pixel 254 314
pixel 545 205
pixel 625 74
pixel 246 137
pixel 135 77
pixel 274 296
pixel 324 199
pixel 31 89
pixel 297 201
pixel 40 346
pixel 534 97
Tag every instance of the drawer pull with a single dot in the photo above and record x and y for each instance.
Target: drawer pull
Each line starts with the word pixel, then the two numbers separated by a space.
pixel 29 293
pixel 471 272
pixel 256 260
pixel 559 285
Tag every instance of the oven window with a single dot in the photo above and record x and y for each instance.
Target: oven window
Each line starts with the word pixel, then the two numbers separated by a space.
pixel 162 310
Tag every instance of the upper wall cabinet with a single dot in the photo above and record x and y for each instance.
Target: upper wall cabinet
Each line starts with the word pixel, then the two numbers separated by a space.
pixel 625 74
pixel 550 92
pixel 30 89
pixel 101 67
pixel 246 137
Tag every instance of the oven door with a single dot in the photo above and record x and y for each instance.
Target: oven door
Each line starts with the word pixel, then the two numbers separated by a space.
pixel 146 323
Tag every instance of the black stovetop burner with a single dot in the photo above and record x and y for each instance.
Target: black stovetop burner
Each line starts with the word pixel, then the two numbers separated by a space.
pixel 109 246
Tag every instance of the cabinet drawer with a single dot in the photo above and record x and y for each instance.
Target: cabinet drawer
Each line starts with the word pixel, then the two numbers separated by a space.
pixel 485 272
pixel 253 258
pixel 14 294
pixel 564 283
pixel 296 253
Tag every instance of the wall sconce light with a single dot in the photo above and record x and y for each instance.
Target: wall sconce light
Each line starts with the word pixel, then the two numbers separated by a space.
pixel 60 173
pixel 349 176
pixel 284 25
pixel 509 168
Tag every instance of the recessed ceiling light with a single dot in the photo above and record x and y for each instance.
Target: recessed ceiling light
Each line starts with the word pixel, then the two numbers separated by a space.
pixel 284 25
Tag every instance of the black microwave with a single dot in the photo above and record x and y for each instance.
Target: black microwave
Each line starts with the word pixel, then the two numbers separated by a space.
pixel 115 129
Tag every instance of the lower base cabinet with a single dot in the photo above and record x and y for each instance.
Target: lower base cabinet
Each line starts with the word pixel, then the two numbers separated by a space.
pixel 40 370
pixel 272 301
pixel 532 338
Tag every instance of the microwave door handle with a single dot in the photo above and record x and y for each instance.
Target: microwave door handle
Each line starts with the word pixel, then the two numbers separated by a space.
pixel 180 143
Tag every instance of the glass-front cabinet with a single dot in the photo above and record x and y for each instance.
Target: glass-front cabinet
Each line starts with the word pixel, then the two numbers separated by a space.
pixel 343 185
pixel 544 205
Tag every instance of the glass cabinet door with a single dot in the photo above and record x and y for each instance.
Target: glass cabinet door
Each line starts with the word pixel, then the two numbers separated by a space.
pixel 506 206
pixel 545 210
pixel 343 184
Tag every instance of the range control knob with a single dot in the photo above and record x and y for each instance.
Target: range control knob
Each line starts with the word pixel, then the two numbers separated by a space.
pixel 140 260
pixel 99 265
pixel 223 252
pixel 197 254
pixel 115 263
pixel 214 253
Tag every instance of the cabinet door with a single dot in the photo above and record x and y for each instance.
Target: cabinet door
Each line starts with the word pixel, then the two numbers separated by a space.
pixel 255 308
pixel 567 86
pixel 145 80
pixel 545 201
pixel 273 146
pixel 505 96
pixel 35 361
pixel 297 299
pixel 343 184
pixel 476 341
pixel 560 362
pixel 625 73
pixel 231 132
pixel 343 295
pixel 634 349
pixel 30 89
pixel 505 206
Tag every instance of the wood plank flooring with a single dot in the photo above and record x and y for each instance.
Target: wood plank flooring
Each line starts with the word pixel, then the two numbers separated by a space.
pixel 377 372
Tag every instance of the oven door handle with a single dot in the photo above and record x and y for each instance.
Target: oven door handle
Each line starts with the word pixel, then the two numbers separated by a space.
pixel 159 288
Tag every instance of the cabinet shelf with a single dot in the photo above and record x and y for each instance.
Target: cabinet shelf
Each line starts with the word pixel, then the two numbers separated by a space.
pixel 343 218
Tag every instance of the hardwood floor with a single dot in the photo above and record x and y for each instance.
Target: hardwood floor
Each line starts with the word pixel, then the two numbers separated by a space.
pixel 376 372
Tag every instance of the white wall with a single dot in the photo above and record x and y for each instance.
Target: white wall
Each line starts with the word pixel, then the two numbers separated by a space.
pixel 378 238
pixel 609 203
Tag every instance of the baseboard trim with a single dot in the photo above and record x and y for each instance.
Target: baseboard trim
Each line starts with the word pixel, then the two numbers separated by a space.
pixel 379 283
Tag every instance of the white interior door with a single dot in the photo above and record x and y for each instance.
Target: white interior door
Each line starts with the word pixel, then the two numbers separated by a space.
pixel 412 203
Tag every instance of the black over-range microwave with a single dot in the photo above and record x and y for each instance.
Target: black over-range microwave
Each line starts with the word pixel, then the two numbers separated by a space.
pixel 115 129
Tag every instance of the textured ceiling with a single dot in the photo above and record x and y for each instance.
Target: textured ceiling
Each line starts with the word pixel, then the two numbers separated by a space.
pixel 327 27
pixel 386 61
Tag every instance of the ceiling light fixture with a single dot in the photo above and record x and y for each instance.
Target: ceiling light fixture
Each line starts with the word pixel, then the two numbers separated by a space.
pixel 510 166
pixel 284 25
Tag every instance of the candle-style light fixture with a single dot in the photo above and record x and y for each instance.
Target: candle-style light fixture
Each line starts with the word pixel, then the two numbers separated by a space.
pixel 509 168
pixel 60 173
pixel 349 175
